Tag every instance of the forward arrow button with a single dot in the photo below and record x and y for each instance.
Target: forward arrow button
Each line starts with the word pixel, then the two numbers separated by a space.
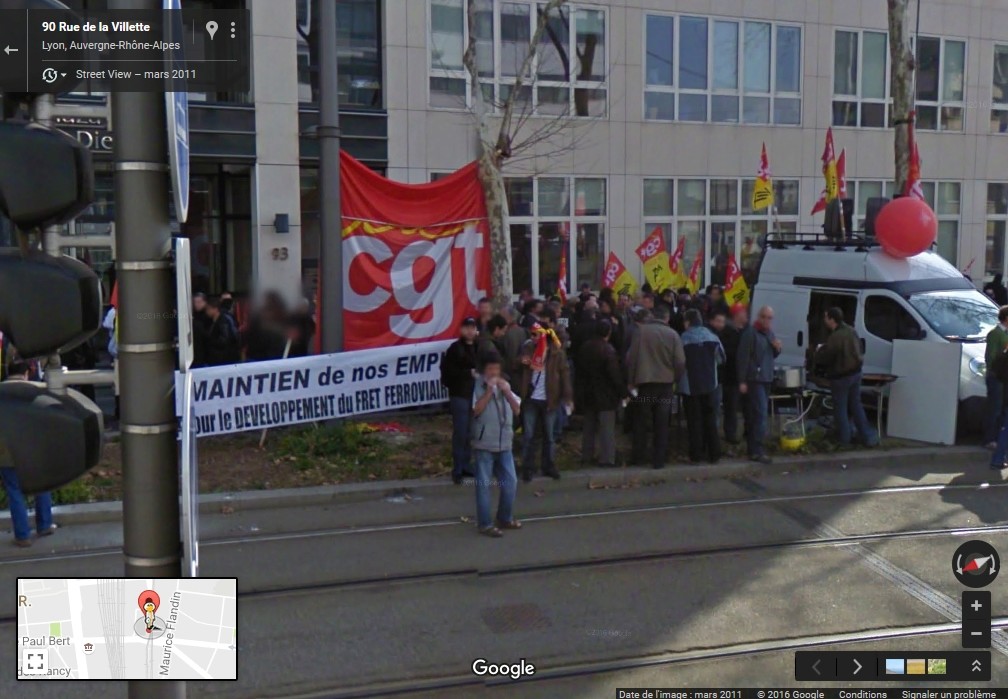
pixel 857 666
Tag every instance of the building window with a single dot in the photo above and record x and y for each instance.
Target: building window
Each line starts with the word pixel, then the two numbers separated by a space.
pixel 548 214
pixel 860 85
pixel 861 90
pixel 999 90
pixel 941 78
pixel 705 69
pixel 568 76
pixel 716 216
pixel 942 196
pixel 358 52
pixel 997 217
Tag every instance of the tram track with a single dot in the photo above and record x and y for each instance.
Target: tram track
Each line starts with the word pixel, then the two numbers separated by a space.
pixel 781 499
pixel 546 672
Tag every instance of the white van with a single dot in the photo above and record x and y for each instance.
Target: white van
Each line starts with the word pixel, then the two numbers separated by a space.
pixel 919 298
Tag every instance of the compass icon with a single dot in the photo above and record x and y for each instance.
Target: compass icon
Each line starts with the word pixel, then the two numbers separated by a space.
pixel 976 564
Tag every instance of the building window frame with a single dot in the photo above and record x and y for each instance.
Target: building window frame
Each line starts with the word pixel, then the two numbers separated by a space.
pixel 496 84
pixel 941 107
pixel 741 94
pixel 995 233
pixel 747 255
pixel 999 107
pixel 571 220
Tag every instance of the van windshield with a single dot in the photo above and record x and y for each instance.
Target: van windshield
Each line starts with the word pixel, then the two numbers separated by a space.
pixel 965 314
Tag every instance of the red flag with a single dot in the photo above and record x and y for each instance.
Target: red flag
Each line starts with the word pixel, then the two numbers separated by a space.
pixel 114 296
pixel 562 284
pixel 913 184
pixel 694 275
pixel 829 169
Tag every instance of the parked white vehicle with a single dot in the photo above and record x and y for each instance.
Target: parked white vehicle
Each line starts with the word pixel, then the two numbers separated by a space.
pixel 918 298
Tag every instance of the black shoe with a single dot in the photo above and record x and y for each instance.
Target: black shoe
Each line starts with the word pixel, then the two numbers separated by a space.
pixel 761 459
pixel 995 467
pixel 457 478
pixel 552 473
pixel 526 475
pixel 658 466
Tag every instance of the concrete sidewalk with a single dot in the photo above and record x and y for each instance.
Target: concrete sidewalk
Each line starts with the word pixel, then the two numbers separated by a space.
pixel 927 458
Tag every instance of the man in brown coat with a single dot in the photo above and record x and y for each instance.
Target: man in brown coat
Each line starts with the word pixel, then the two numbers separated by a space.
pixel 545 389
pixel 655 362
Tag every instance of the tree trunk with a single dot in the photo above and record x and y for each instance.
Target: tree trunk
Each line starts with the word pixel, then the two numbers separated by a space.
pixel 901 80
pixel 495 198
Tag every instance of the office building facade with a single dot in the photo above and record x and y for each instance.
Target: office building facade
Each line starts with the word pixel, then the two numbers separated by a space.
pixel 646 114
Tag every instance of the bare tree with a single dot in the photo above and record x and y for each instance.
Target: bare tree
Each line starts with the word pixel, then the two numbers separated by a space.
pixel 901 80
pixel 497 133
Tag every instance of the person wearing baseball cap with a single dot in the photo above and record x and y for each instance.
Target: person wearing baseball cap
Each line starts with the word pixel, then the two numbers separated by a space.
pixel 458 367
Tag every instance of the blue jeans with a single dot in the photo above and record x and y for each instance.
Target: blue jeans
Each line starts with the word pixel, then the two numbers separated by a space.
pixel 1001 451
pixel 757 400
pixel 461 414
pixel 19 506
pixel 994 408
pixel 499 468
pixel 847 402
pixel 534 413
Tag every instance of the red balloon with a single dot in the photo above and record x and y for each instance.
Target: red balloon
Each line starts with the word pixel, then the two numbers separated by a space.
pixel 905 227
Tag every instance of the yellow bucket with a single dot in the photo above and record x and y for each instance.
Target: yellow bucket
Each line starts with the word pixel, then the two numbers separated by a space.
pixel 792 443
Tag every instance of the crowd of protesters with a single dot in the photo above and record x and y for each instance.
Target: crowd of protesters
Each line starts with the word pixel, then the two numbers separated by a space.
pixel 227 333
pixel 619 359
pixel 633 360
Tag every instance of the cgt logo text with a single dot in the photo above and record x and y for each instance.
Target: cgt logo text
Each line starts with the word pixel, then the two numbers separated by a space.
pixel 515 671
pixel 412 290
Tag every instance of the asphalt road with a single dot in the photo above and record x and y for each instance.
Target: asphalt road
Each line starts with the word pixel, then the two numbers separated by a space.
pixel 657 584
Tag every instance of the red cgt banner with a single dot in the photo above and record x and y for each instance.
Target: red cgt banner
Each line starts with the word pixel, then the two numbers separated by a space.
pixel 416 257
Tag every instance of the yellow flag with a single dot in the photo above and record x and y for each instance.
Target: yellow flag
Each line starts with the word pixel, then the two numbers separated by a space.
pixel 763 195
pixel 736 291
pixel 655 257
pixel 617 277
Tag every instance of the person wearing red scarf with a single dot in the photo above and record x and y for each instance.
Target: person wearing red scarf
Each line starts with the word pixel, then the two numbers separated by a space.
pixel 545 391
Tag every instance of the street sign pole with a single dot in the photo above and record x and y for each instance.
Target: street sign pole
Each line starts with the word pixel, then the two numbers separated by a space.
pixel 146 349
pixel 331 223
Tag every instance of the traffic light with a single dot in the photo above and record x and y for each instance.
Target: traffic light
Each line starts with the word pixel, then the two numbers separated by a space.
pixel 46 177
pixel 50 439
pixel 47 304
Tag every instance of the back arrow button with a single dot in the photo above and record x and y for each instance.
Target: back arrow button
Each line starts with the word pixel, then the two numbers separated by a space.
pixel 815 667
pixel 9 50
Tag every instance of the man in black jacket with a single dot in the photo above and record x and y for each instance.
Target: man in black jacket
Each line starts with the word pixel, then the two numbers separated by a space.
pixel 458 365
pixel 222 346
pixel 600 387
pixel 731 399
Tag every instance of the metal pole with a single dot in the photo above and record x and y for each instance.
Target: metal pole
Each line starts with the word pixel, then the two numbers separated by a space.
pixel 42 112
pixel 151 545
pixel 330 223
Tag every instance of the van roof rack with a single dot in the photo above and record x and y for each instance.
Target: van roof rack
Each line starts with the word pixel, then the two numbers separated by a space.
pixel 858 241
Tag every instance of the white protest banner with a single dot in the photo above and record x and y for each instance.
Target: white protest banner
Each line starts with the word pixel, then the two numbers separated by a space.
pixel 281 392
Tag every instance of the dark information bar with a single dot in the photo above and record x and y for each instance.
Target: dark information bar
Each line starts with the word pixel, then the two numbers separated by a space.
pixel 893 666
pixel 197 50
pixel 812 693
